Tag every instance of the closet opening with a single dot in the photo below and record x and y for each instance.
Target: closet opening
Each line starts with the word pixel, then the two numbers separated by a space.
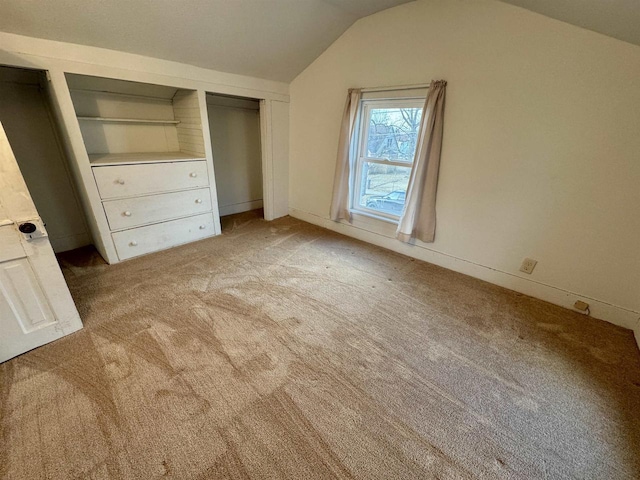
pixel 26 113
pixel 234 124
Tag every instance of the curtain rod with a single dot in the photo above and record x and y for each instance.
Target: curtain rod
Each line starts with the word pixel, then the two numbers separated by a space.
pixel 397 87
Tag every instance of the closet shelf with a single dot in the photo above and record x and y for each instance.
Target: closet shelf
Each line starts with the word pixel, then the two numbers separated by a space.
pixel 129 120
pixel 104 159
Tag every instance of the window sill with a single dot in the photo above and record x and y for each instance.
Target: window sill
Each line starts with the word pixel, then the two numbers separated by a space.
pixel 374 223
pixel 374 216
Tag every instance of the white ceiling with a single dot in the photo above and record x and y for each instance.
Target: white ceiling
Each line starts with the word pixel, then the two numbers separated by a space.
pixel 616 18
pixel 272 39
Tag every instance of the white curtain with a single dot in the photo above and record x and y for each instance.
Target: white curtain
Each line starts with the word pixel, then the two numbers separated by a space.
pixel 341 181
pixel 418 219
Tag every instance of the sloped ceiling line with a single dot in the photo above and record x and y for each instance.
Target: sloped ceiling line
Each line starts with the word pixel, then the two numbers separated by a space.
pixel 269 39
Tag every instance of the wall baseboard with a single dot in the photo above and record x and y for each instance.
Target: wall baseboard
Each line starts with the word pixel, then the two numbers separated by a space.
pixel 240 207
pixel 70 242
pixel 599 309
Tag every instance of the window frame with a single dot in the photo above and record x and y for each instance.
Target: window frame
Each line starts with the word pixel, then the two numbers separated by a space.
pixel 359 148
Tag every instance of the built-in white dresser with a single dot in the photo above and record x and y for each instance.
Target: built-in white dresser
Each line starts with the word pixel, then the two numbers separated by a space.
pixel 146 150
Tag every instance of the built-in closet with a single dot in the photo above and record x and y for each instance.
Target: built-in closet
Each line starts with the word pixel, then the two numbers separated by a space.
pixel 129 166
pixel 234 125
pixel 151 185
pixel 26 114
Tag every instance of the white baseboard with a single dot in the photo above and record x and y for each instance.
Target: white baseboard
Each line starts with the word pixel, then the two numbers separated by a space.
pixel 71 242
pixel 599 309
pixel 240 207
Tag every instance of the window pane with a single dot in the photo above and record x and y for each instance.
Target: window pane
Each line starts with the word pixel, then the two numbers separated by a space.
pixel 393 133
pixel 383 187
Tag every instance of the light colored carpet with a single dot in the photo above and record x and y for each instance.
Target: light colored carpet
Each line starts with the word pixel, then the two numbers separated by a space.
pixel 282 350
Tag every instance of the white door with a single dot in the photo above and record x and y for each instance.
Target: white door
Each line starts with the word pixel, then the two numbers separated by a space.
pixel 35 304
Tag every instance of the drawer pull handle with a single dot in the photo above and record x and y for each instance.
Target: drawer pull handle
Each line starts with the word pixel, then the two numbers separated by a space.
pixel 127 213
pixel 133 243
pixel 198 200
pixel 193 174
pixel 120 181
pixel 202 227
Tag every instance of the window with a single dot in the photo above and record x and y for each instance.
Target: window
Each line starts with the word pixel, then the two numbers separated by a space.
pixel 388 133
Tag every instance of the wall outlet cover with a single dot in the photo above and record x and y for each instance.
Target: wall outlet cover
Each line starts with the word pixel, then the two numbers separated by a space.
pixel 582 306
pixel 528 264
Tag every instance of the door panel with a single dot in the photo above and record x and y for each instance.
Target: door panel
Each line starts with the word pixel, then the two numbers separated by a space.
pixel 20 290
pixel 35 304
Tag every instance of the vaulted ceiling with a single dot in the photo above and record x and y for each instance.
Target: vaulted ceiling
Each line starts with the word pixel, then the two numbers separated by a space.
pixel 616 18
pixel 272 39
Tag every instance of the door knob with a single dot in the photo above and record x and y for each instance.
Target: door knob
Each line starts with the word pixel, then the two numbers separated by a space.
pixel 133 243
pixel 193 174
pixel 120 181
pixel 198 200
pixel 127 213
pixel 27 228
pixel 202 227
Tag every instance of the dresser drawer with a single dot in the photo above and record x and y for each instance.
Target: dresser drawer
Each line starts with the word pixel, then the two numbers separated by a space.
pixel 141 240
pixel 132 212
pixel 129 180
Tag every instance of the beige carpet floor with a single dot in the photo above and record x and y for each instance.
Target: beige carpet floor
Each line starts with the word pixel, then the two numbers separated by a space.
pixel 282 350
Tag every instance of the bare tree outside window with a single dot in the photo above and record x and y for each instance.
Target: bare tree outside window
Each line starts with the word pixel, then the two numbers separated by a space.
pixel 392 134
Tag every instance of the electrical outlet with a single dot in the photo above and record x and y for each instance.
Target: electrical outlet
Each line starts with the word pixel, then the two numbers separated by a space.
pixel 528 264
pixel 582 306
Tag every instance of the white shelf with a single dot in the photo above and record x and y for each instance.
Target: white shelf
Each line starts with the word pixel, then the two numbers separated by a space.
pixel 129 120
pixel 103 159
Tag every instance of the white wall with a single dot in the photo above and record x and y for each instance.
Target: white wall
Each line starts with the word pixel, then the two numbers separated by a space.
pixel 26 118
pixel 235 136
pixel 541 145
